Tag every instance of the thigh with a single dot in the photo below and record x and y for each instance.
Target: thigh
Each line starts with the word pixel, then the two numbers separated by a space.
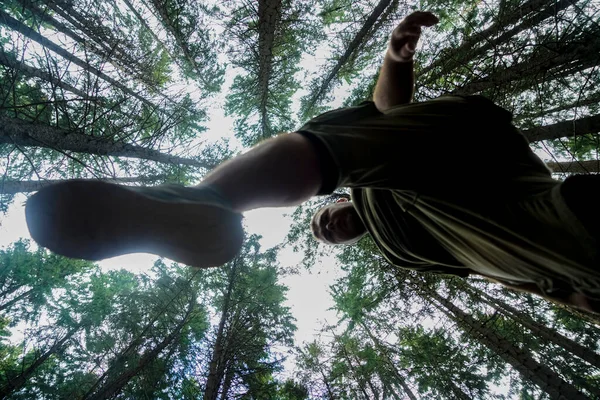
pixel 431 147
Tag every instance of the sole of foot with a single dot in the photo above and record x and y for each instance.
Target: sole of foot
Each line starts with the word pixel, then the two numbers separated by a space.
pixel 94 220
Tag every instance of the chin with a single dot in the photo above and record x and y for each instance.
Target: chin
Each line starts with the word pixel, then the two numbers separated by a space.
pixel 353 240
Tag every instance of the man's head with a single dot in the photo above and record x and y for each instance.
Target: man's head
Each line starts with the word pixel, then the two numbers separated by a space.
pixel 337 223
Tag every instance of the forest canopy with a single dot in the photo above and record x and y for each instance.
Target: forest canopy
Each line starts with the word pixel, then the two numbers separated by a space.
pixel 146 92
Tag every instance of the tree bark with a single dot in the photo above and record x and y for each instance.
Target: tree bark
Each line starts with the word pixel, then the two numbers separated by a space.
pixel 115 54
pixel 215 376
pixel 115 385
pixel 11 61
pixel 143 22
pixel 576 167
pixel 269 17
pixel 354 45
pixel 23 133
pixel 35 36
pixel 13 187
pixel 538 329
pixel 12 301
pixel 581 126
pixel 227 384
pixel 545 378
pixel 17 382
pixel 593 99
pixel 469 49
pixel 551 61
pixel 385 353
pixel 458 393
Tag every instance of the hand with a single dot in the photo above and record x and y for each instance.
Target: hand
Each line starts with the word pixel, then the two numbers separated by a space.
pixel 406 35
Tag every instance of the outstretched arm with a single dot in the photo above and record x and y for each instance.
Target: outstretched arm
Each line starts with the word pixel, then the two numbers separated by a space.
pixel 396 79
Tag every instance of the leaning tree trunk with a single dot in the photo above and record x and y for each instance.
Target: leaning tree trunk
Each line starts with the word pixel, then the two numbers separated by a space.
pixel 590 100
pixel 215 375
pixel 575 167
pixel 17 382
pixel 480 42
pixel 522 361
pixel 359 38
pixel 135 343
pixel 14 187
pixel 10 61
pixel 552 61
pixel 115 385
pixel 384 352
pixel 143 21
pixel 23 133
pixel 168 23
pixel 538 329
pixel 33 35
pixel 16 299
pixel 576 127
pixel 130 65
pixel 227 383
pixel 458 392
pixel 269 17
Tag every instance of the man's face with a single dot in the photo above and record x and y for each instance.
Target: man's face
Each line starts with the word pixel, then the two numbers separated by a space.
pixel 337 223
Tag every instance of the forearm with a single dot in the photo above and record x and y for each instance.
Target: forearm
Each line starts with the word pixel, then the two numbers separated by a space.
pixel 395 85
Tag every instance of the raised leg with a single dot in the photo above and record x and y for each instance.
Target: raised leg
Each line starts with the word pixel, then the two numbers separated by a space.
pixel 199 226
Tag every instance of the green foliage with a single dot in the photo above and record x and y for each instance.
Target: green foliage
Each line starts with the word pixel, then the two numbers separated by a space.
pixel 169 332
pixel 268 56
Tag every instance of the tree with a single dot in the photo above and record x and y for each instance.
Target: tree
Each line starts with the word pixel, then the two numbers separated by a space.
pixel 252 320
pixel 366 32
pixel 184 21
pixel 268 42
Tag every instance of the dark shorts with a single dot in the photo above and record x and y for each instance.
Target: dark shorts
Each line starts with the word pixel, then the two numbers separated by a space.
pixel 471 179
pixel 447 143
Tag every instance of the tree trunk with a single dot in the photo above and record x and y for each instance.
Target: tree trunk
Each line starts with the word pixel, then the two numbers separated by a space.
pixel 110 46
pixel 35 36
pixel 551 61
pixel 17 382
pixel 10 61
pixel 361 35
pixel 15 299
pixel 269 17
pixel 23 133
pixel 326 382
pixel 115 54
pixel 357 378
pixel 385 353
pixel 142 20
pixel 115 385
pixel 13 187
pixel 523 362
pixel 581 126
pixel 136 342
pixel 458 393
pixel 215 378
pixel 538 329
pixel 575 167
pixel 593 99
pixel 111 49
pixel 227 384
pixel 469 49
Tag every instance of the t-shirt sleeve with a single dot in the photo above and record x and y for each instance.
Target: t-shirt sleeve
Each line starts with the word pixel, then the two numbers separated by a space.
pixel 330 169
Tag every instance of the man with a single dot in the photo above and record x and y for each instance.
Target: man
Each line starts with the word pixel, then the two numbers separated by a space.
pixel 447 186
